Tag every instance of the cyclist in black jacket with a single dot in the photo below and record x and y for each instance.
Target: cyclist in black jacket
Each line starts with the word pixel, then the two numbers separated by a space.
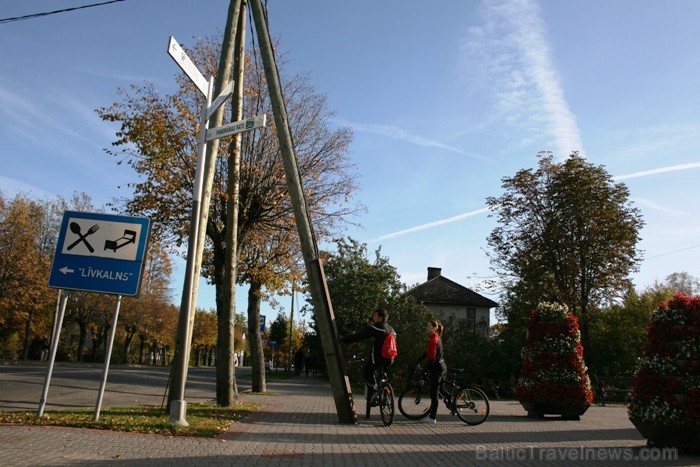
pixel 378 330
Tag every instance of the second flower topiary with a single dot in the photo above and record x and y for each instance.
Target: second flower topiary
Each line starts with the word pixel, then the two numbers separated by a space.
pixel 553 379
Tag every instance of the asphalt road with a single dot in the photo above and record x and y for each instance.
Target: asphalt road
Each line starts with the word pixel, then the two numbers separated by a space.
pixel 78 385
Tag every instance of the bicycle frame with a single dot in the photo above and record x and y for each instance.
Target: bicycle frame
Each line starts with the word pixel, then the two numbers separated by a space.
pixel 466 401
pixel 383 396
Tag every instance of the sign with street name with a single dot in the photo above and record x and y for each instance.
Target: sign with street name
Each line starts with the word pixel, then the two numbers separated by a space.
pixel 236 127
pixel 99 252
pixel 178 54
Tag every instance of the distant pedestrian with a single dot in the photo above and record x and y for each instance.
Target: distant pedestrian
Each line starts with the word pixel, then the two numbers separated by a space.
pixel 298 360
pixel 307 361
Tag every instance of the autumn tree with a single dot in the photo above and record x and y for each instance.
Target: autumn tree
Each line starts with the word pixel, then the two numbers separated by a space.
pixel 25 260
pixel 204 337
pixel 156 337
pixel 144 315
pixel 567 233
pixel 158 139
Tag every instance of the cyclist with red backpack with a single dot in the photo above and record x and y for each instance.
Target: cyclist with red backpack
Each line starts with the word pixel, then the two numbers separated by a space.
pixel 383 351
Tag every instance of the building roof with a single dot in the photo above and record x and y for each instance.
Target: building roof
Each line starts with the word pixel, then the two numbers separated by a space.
pixel 440 290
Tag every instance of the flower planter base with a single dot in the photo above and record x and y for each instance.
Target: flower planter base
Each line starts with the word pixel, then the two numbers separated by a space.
pixel 535 410
pixel 669 436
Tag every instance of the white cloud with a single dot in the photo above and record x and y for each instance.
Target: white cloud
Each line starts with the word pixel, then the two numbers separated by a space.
pixel 430 225
pixel 12 187
pixel 641 201
pixel 657 207
pixel 659 170
pixel 398 133
pixel 511 51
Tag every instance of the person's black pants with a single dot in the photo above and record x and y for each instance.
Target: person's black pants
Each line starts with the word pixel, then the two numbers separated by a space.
pixel 436 377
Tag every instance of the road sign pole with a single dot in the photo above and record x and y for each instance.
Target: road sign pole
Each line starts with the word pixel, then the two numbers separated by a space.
pixel 178 406
pixel 54 347
pixel 108 357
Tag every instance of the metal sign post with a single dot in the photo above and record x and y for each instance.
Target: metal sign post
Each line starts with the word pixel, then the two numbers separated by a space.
pixel 108 357
pixel 61 312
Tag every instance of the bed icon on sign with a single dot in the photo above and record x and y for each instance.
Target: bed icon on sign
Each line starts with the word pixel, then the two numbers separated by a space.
pixel 128 237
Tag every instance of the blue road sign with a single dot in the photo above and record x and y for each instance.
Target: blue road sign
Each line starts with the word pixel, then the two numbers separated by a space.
pixel 100 253
pixel 262 323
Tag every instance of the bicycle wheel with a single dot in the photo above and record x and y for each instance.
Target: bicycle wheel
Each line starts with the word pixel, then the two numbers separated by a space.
pixel 414 402
pixel 386 404
pixel 471 405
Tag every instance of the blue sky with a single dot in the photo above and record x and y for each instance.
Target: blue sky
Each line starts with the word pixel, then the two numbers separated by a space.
pixel 445 99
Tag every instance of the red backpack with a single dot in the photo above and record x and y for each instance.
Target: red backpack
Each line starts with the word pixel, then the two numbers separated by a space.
pixel 389 349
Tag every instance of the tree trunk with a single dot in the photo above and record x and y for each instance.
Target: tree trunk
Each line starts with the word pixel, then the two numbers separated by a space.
pixel 27 335
pixel 226 389
pixel 257 357
pixel 142 348
pixel 128 339
pixel 82 337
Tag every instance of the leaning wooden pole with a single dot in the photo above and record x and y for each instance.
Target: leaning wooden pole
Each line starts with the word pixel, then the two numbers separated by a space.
pixel 323 310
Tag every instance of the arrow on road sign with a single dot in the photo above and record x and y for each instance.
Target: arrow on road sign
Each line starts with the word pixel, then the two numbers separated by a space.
pixel 67 270
pixel 178 54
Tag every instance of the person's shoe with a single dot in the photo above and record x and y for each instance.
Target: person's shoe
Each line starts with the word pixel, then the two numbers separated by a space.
pixel 427 419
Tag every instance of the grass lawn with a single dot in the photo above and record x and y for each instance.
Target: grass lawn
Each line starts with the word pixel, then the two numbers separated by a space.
pixel 205 420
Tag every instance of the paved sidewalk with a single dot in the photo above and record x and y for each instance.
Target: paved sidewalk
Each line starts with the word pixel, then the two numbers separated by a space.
pixel 299 427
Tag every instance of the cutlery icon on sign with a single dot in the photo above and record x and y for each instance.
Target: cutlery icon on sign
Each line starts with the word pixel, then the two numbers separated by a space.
pixel 75 228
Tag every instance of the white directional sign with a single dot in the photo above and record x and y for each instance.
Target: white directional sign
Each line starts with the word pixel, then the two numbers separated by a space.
pixel 236 127
pixel 100 253
pixel 178 54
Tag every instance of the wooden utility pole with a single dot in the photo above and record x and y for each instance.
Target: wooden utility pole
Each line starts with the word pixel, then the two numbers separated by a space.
pixel 323 310
pixel 226 374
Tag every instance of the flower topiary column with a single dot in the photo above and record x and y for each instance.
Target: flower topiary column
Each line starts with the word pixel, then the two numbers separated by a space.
pixel 665 404
pixel 553 378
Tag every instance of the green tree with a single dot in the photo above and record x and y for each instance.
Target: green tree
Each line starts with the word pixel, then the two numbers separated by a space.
pixel 683 282
pixel 618 332
pixel 279 334
pixel 358 285
pixel 279 329
pixel 567 233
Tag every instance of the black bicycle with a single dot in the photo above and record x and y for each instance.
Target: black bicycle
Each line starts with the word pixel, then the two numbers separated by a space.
pixel 466 401
pixel 383 396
